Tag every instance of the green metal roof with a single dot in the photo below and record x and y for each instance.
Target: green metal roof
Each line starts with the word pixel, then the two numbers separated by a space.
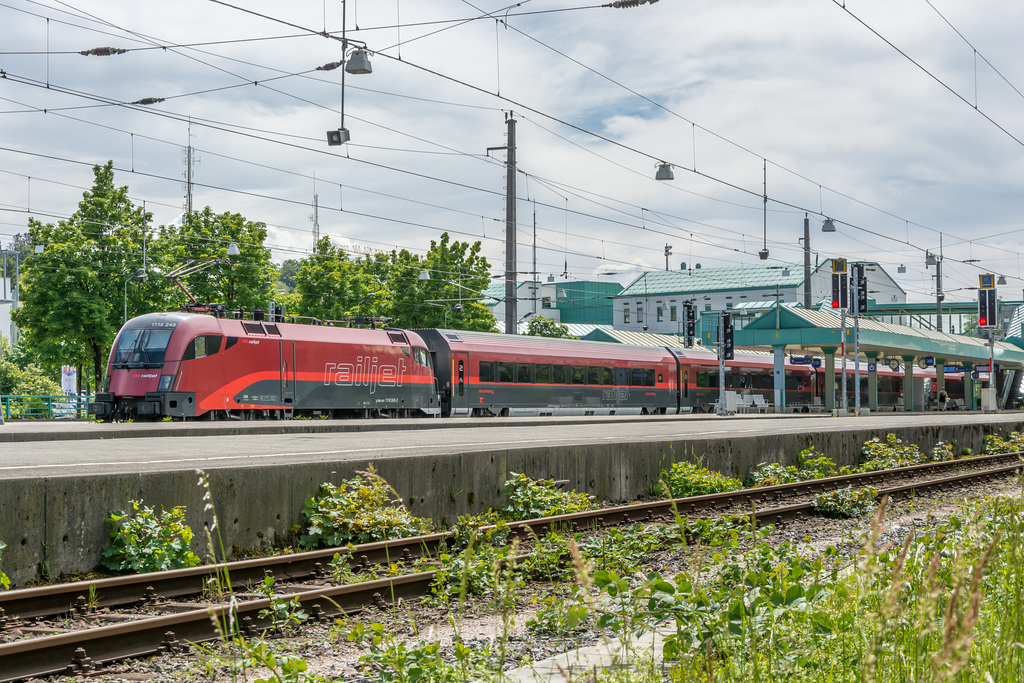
pixel 797 328
pixel 725 279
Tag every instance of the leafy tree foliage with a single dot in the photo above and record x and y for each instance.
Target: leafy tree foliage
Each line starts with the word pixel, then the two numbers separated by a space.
pixel 458 276
pixel 206 235
pixel 287 272
pixel 331 286
pixel 539 326
pixel 71 294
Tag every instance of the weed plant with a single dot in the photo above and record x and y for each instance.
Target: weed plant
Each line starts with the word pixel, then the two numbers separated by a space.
pixel 994 444
pixel 149 541
pixel 531 498
pixel 846 503
pixel 684 479
pixel 359 510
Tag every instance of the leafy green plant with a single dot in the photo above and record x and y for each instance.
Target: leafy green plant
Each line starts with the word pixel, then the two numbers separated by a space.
pixel 283 668
pixel 848 502
pixel 558 616
pixel 359 510
pixel 391 660
pixel 685 479
pixel 284 613
pixel 812 467
pixel 149 541
pixel 772 474
pixel 994 444
pixel 531 498
pixel 5 582
pixel 888 453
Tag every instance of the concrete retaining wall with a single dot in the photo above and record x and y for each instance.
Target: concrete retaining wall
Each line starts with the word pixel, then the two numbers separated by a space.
pixel 56 526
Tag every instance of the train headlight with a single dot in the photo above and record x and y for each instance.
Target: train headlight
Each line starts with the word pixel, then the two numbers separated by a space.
pixel 165 383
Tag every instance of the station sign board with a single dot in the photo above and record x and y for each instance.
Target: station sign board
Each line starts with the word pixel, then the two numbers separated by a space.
pixel 872 367
pixel 981 367
pixel 816 363
pixel 929 361
pixel 974 375
pixel 954 368
pixel 801 360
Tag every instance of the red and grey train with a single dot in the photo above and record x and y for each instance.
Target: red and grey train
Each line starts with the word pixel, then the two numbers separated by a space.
pixel 197 366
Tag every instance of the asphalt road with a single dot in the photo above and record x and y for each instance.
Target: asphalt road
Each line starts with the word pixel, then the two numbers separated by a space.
pixel 127 448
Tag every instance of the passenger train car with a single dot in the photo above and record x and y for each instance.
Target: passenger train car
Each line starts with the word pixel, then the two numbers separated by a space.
pixel 188 366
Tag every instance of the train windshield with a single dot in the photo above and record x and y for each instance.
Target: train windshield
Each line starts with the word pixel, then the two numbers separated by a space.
pixel 142 348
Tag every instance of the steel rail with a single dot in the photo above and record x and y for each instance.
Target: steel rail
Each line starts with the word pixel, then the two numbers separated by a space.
pixel 67 653
pixel 69 598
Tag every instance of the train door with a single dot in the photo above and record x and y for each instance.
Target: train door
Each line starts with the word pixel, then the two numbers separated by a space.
pixel 460 375
pixel 286 356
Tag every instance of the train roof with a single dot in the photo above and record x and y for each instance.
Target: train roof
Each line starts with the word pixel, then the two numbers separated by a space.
pixel 510 343
pixel 199 323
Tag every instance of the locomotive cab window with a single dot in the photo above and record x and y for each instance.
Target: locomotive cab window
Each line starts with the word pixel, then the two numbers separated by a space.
pixel 421 356
pixel 142 348
pixel 202 346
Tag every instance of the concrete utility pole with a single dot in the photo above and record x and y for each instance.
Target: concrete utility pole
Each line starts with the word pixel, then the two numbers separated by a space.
pixel 807 263
pixel 511 312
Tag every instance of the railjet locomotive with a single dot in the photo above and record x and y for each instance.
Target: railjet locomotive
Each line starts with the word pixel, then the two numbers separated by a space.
pixel 188 366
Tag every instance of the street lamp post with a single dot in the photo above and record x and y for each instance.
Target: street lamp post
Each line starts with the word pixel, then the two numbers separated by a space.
pixel 138 276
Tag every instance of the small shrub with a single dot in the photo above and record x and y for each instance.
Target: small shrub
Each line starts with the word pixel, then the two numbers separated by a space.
pixel 685 479
pixel 149 541
pixel 845 503
pixel 878 454
pixel 994 444
pixel 812 467
pixel 530 499
pixel 773 474
pixel 360 510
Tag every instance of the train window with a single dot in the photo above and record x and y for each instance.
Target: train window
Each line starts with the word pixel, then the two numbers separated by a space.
pixel 486 371
pixel 422 357
pixel 506 372
pixel 142 348
pixel 649 378
pixel 543 374
pixel 229 342
pixel 702 380
pixel 608 376
pixel 579 374
pixel 202 346
pixel 524 374
pixel 593 375
pixel 636 377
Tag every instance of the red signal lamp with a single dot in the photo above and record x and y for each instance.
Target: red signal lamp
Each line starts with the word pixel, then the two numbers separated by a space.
pixel 983 321
pixel 835 304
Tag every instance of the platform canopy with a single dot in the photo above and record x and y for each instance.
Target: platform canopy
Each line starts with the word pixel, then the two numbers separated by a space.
pixel 798 329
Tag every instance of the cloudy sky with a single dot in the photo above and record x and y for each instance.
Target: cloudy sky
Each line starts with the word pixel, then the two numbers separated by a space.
pixel 900 121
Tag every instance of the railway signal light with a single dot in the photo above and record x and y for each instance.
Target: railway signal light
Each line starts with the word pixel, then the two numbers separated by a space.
pixel 987 308
pixel 727 347
pixel 839 294
pixel 860 281
pixel 689 322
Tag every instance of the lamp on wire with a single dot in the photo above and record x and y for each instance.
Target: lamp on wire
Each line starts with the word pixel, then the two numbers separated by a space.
pixel 233 249
pixel 356 62
pixel 664 172
pixel 1001 280
pixel 901 269
pixel 828 226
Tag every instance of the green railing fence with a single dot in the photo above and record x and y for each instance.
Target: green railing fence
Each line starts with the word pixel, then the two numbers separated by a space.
pixel 59 407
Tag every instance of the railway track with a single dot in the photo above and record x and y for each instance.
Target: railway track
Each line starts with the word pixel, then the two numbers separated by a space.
pixel 151 622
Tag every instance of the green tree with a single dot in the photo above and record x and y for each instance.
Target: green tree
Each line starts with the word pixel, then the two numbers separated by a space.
pixel 539 326
pixel 287 272
pixel 458 274
pixel 71 294
pixel 206 236
pixel 331 286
